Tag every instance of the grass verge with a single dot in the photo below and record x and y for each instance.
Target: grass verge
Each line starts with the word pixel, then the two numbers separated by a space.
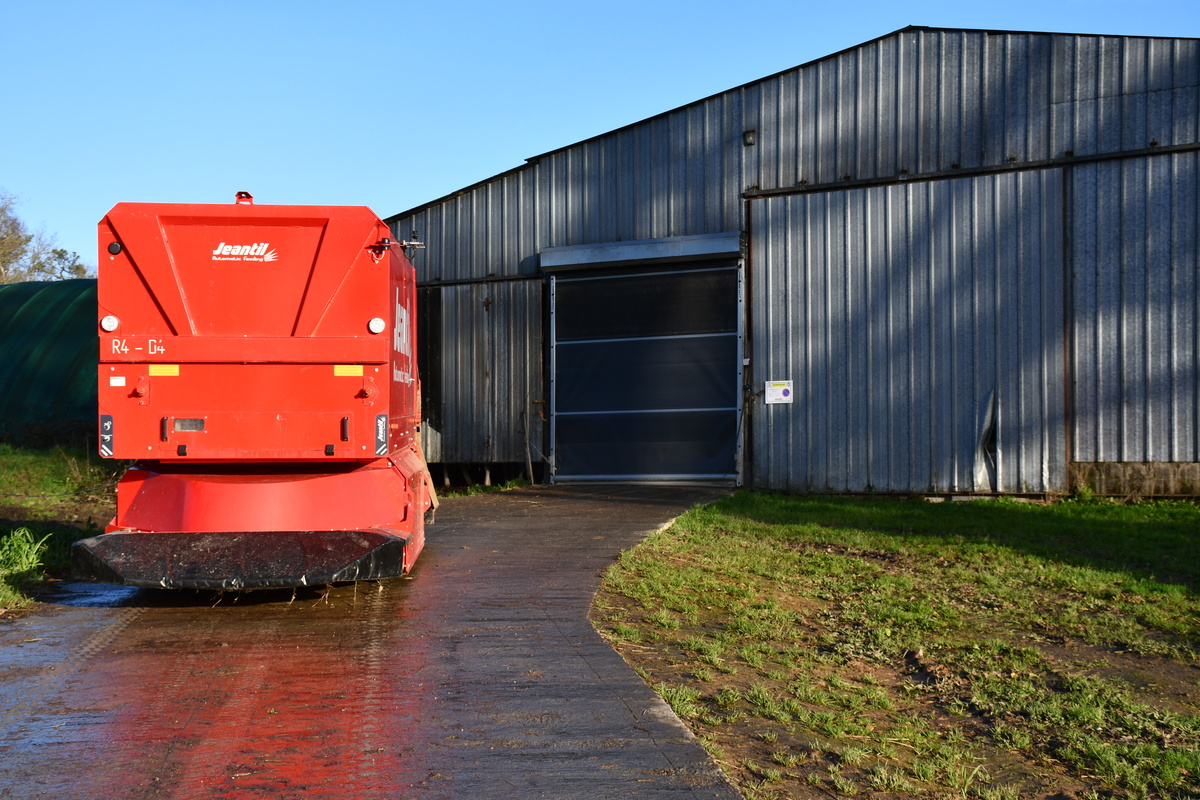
pixel 49 498
pixel 20 565
pixel 888 648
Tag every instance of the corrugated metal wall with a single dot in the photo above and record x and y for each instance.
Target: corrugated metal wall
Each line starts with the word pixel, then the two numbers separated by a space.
pixel 903 314
pixel 490 231
pixel 916 101
pixel 675 175
pixel 490 373
pixel 1136 295
pixel 923 101
pixel 903 107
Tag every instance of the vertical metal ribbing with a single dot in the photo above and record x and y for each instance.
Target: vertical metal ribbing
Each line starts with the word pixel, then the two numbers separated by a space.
pixel 739 445
pixel 919 100
pixel 553 399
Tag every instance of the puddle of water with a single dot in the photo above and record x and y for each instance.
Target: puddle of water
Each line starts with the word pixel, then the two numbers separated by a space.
pixel 88 595
pixel 126 691
pixel 79 594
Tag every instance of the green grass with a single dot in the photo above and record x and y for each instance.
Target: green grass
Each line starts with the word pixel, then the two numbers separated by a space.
pixel 34 478
pixel 20 564
pixel 479 488
pixel 915 643
pixel 40 487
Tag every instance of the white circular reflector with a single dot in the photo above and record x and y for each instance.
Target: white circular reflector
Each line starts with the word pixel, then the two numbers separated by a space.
pixel 376 325
pixel 109 323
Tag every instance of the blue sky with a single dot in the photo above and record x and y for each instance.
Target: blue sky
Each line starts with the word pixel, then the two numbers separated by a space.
pixel 393 104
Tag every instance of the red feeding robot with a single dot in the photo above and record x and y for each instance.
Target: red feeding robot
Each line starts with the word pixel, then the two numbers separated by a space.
pixel 258 364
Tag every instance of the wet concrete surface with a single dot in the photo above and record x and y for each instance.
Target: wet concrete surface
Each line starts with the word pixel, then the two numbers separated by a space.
pixel 477 677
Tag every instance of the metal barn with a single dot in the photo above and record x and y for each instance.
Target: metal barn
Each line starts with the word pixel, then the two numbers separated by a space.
pixel 940 261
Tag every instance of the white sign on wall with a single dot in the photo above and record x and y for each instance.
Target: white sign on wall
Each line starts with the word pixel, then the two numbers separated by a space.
pixel 779 391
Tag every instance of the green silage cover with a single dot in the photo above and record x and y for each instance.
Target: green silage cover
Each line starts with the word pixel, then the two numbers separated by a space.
pixel 49 352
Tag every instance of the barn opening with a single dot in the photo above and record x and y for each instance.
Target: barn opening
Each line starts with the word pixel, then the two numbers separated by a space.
pixel 646 360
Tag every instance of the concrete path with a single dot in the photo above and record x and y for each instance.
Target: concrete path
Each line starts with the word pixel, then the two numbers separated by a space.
pixel 478 677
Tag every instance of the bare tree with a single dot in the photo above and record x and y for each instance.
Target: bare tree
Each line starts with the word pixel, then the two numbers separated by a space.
pixel 26 256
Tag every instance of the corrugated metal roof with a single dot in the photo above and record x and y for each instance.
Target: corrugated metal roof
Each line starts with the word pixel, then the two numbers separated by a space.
pixel 916 101
pixel 51 351
pixel 1111 42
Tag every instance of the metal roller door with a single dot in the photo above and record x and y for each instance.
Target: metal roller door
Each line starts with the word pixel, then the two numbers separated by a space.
pixel 646 375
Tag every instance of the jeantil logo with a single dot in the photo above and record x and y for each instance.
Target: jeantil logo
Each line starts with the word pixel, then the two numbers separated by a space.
pixel 258 251
pixel 381 434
